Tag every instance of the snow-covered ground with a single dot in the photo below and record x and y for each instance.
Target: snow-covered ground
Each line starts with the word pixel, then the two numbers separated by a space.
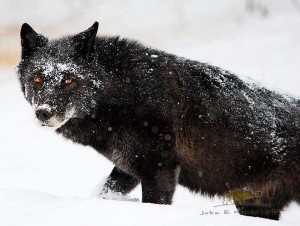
pixel 32 208
pixel 47 180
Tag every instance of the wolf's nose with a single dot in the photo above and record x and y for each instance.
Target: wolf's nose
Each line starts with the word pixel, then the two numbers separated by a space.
pixel 43 114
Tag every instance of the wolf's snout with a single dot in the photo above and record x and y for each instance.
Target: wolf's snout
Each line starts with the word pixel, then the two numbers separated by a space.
pixel 43 114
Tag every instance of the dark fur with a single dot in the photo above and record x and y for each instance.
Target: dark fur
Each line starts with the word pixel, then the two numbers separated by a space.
pixel 164 120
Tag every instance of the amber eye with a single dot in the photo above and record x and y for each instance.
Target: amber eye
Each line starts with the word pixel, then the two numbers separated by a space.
pixel 38 79
pixel 68 81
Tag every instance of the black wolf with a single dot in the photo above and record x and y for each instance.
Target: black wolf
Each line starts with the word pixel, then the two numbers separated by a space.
pixel 164 120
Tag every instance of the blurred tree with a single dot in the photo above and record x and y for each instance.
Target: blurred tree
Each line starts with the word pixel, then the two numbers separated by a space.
pixel 254 6
pixel 296 3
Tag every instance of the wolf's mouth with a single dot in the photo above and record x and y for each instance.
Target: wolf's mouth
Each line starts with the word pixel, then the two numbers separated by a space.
pixel 46 124
pixel 53 122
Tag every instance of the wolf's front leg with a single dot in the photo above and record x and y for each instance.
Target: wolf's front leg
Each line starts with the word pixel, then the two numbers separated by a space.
pixel 159 188
pixel 118 182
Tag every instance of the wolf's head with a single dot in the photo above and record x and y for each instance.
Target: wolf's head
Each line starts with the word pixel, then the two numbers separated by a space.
pixel 59 78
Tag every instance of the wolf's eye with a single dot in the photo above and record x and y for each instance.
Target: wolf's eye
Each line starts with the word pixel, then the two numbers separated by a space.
pixel 38 80
pixel 68 81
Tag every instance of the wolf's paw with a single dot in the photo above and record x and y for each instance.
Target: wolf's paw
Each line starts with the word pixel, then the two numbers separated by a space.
pixel 102 191
pixel 110 195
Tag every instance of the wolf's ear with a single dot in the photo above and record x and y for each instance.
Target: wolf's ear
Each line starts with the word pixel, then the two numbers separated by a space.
pixel 30 40
pixel 85 42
